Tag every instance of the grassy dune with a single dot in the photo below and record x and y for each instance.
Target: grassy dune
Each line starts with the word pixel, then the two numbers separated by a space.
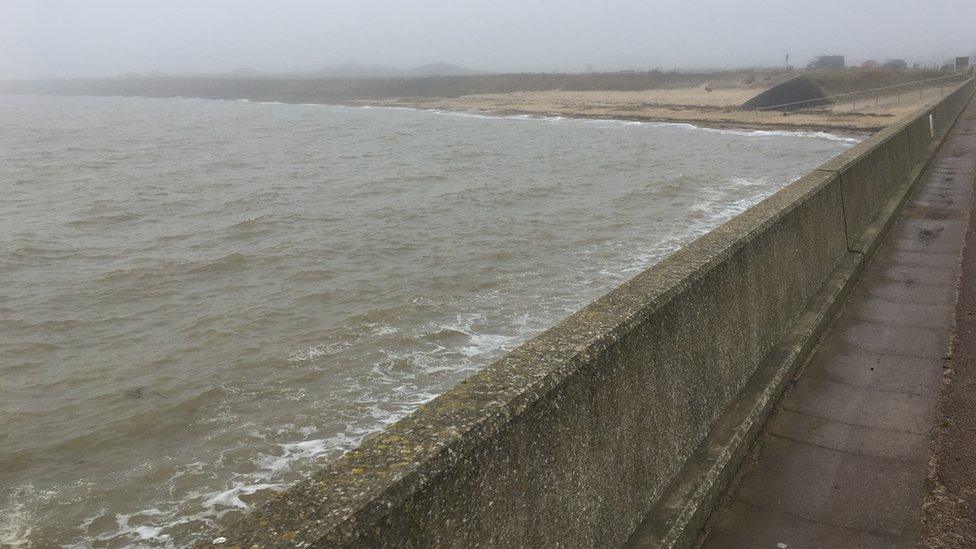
pixel 840 81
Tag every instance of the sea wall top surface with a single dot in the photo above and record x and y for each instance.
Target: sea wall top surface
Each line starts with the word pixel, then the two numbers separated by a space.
pixel 572 438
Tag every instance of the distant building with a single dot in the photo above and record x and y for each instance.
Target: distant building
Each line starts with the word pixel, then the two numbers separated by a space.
pixel 869 64
pixel 962 63
pixel 827 62
pixel 895 64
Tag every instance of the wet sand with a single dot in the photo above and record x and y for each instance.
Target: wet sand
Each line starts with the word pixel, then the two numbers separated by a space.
pixel 717 108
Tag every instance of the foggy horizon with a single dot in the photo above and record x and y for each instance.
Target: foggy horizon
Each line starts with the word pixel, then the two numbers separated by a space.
pixel 106 38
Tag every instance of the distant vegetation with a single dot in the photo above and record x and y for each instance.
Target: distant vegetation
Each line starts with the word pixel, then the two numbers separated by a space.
pixel 358 71
pixel 345 71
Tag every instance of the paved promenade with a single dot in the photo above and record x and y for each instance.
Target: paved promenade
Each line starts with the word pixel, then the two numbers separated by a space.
pixel 844 458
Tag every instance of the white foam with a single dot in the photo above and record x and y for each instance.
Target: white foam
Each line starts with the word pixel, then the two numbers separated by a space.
pixel 718 211
pixel 617 122
pixel 486 343
pixel 232 496
pixel 317 351
pixel 470 114
pixel 743 182
pixel 139 532
pixel 382 330
pixel 388 107
pixel 782 133
pixel 296 451
pixel 723 131
pixel 16 525
pixel 478 343
pixel 480 116
pixel 17 517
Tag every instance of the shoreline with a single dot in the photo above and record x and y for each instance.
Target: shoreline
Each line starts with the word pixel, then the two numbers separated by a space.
pixel 712 108
pixel 816 122
pixel 853 130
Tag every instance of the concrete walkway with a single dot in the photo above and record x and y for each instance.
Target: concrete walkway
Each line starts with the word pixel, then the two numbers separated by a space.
pixel 844 458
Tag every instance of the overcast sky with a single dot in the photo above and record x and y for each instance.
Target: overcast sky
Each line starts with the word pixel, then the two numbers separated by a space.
pixel 110 37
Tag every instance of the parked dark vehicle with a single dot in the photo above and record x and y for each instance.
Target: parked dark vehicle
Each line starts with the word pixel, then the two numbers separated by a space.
pixel 827 62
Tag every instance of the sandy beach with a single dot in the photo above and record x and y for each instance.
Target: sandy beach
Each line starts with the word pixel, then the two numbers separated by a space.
pixel 716 108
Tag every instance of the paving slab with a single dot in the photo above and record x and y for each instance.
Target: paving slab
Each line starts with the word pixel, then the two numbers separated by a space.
pixel 824 477
pixel 780 526
pixel 844 437
pixel 919 315
pixel 844 458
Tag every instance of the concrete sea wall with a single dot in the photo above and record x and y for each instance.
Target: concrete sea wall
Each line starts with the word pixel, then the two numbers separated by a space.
pixel 630 415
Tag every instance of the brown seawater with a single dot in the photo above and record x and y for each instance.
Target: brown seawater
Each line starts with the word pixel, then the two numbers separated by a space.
pixel 202 300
